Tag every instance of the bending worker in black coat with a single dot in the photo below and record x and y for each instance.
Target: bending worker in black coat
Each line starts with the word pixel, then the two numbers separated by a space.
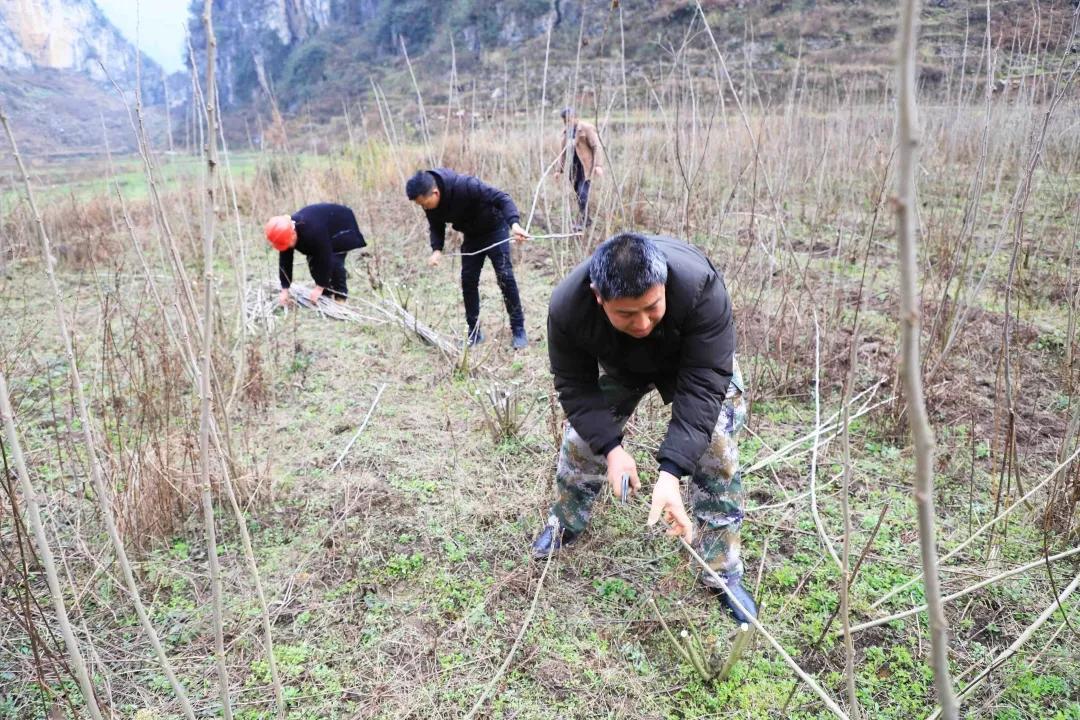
pixel 648 313
pixel 325 233
pixel 486 216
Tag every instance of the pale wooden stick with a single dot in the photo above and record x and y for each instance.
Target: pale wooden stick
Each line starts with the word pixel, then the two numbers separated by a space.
pixel 420 101
pixel 819 524
pixel 742 638
pixel 671 636
pixel 911 361
pixel 209 217
pixel 845 510
pixel 362 426
pixel 513 649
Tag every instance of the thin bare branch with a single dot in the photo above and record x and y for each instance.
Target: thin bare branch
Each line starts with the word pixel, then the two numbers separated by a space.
pixel 911 365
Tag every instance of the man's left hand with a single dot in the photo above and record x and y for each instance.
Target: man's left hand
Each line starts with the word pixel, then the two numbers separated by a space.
pixel 518 233
pixel 315 294
pixel 667 501
pixel 598 171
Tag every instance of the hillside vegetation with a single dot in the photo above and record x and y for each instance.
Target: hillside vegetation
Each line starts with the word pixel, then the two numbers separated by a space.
pixel 838 46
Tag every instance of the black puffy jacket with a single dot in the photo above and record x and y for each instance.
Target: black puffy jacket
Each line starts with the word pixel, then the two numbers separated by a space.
pixel 688 356
pixel 322 230
pixel 473 207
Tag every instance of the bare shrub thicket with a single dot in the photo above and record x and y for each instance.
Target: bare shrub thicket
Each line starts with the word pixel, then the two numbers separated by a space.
pixel 787 190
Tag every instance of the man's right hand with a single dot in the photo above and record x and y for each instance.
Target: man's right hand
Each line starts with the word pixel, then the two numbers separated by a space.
pixel 284 298
pixel 667 503
pixel 619 463
pixel 435 259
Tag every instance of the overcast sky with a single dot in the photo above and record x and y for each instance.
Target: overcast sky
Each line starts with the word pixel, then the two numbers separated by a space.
pixel 161 27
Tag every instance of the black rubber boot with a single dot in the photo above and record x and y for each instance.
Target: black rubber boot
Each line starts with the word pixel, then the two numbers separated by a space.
pixel 552 538
pixel 734 587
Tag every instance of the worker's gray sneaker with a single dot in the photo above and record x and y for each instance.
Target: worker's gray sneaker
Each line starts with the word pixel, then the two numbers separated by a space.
pixel 520 340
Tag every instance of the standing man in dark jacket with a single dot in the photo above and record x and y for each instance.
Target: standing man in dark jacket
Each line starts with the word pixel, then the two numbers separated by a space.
pixel 325 233
pixel 487 217
pixel 650 313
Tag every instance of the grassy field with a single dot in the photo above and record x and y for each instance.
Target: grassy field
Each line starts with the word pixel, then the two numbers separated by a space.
pixel 398 583
pixel 87 179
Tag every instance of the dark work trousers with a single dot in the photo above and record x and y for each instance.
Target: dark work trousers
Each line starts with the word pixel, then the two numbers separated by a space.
pixel 343 242
pixel 339 287
pixel 581 188
pixel 471 265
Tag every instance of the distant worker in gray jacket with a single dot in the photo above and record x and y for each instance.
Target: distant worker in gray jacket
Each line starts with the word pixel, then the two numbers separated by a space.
pixel 488 218
pixel 647 313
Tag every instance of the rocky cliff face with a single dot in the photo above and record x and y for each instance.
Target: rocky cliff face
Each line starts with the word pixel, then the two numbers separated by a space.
pixel 295 46
pixel 65 35
pixel 51 78
pixel 251 32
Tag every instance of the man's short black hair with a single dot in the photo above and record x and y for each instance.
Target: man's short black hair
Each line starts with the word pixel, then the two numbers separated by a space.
pixel 422 183
pixel 626 266
pixel 566 112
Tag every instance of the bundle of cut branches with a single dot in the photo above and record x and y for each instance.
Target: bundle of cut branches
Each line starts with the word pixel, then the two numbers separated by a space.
pixel 262 308
pixel 395 312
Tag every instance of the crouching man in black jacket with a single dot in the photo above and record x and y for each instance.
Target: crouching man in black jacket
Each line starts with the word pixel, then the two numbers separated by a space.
pixel 486 216
pixel 324 233
pixel 650 313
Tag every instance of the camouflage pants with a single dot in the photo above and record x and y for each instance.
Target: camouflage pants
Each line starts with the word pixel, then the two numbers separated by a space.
pixel 717 497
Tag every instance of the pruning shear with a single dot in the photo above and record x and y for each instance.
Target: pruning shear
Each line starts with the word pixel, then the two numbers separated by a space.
pixel 624 496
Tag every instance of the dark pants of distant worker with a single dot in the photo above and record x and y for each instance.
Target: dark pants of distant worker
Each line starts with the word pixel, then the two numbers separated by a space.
pixel 581 187
pixel 344 241
pixel 471 265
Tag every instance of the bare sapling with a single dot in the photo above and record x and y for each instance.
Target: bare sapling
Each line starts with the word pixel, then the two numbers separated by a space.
pixel 907 128
pixel 204 372
pixel 845 509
